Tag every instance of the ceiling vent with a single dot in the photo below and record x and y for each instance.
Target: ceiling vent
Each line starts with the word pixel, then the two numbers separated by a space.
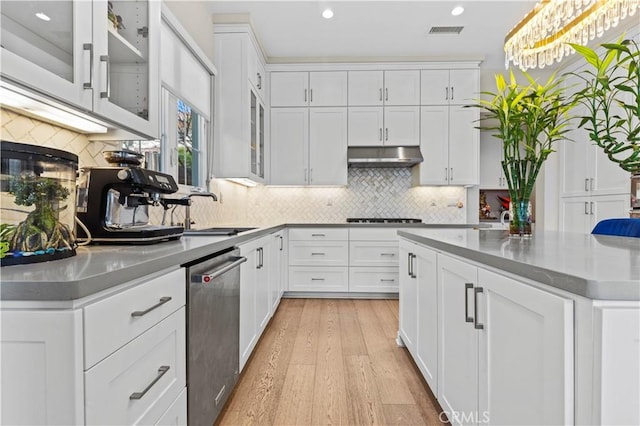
pixel 445 30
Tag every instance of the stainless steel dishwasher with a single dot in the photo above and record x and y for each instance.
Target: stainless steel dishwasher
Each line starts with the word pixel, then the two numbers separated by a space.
pixel 213 305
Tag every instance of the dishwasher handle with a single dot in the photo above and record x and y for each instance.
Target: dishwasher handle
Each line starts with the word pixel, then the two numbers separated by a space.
pixel 210 276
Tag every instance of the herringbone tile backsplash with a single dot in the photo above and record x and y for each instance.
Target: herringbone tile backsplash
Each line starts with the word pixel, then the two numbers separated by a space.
pixel 369 193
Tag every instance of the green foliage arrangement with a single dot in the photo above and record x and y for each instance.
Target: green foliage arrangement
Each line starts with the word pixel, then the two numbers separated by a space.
pixel 611 96
pixel 530 118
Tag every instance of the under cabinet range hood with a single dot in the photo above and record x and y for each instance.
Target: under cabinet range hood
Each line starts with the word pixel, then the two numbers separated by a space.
pixel 384 156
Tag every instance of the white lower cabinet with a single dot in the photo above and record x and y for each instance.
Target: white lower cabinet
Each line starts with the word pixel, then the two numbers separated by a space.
pixel 136 384
pixel 117 357
pixel 277 268
pixel 176 414
pixel 506 349
pixel 581 214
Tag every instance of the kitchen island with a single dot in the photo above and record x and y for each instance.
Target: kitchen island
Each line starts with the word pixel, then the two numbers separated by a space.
pixel 509 331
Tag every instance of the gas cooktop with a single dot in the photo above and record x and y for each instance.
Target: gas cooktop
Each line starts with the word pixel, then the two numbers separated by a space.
pixel 381 220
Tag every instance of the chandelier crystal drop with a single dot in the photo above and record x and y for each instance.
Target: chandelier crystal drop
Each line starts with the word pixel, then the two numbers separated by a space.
pixel 541 38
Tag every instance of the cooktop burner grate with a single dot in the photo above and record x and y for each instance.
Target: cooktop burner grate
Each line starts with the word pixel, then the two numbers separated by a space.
pixel 381 220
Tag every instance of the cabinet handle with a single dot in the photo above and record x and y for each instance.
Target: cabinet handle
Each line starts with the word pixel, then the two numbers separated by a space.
pixel 162 301
pixel 446 93
pixel 260 259
pixel 387 280
pixel 446 173
pixel 586 207
pixel 259 81
pixel 281 242
pixel 317 254
pixel 451 92
pixel 451 174
pixel 317 279
pixel 409 265
pixel 317 235
pixel 381 94
pixel 305 95
pixel 161 372
pixel 386 133
pixel 311 95
pixel 591 208
pixel 387 254
pixel 467 286
pixel 476 324
pixel 586 184
pixel 107 92
pixel 591 184
pixel 413 273
pixel 89 47
pixel 380 134
pixel 386 94
pixel 310 176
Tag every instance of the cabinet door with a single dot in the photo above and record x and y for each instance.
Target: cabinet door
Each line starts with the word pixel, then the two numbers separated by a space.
pixel 526 353
pixel 402 126
pixel 289 146
pixel 491 174
pixel 434 141
pixel 427 298
pixel 463 146
pixel 289 89
pixel 328 88
pixel 256 124
pixel 463 87
pixel 434 87
pixel 320 279
pixel 408 300
pixel 366 126
pixel 263 286
pixel 402 87
pixel 574 214
pixel 608 177
pixel 255 68
pixel 53 57
pixel 607 207
pixel 126 65
pixel 366 88
pixel 328 146
pixel 575 159
pixel 458 339
pixel 276 269
pixel 248 329
pixel 41 355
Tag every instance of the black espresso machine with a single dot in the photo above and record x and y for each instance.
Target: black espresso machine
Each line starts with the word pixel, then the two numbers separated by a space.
pixel 113 204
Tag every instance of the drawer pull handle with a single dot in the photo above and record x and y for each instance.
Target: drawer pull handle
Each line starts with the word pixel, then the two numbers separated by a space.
pixel 387 280
pixel 467 287
pixel 387 254
pixel 317 254
pixel 161 372
pixel 162 301
pixel 317 279
pixel 317 235
pixel 476 324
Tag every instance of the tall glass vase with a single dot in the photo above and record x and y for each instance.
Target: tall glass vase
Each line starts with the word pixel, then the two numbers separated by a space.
pixel 520 218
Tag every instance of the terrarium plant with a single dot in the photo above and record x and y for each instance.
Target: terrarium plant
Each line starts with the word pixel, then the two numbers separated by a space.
pixel 611 97
pixel 529 119
pixel 41 229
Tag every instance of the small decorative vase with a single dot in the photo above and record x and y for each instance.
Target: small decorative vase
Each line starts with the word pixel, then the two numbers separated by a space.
pixel 635 195
pixel 520 218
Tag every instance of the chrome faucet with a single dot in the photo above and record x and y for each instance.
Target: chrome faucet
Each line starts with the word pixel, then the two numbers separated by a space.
pixel 187 211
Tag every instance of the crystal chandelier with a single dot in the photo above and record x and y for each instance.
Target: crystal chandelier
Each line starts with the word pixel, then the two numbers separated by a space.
pixel 541 38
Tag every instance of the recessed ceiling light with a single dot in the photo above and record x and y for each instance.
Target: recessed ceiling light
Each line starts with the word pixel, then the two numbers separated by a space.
pixel 327 14
pixel 43 16
pixel 457 10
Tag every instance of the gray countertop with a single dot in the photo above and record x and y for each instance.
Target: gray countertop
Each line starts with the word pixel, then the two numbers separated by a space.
pixel 593 266
pixel 97 268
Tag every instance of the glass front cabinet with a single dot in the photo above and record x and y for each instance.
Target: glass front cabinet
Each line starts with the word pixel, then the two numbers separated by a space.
pixel 100 56
pixel 257 136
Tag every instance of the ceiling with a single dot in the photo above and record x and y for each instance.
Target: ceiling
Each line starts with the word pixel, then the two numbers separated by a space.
pixel 379 30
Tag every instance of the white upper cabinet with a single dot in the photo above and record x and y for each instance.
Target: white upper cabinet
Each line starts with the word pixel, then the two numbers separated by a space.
pixel 289 146
pixel 375 88
pixel 300 89
pixel 80 58
pixel 491 173
pixel 449 87
pixel 378 126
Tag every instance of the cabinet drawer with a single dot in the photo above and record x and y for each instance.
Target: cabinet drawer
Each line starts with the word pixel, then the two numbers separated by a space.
pixel 153 366
pixel 318 279
pixel 370 253
pixel 320 253
pixel 358 233
pixel 176 414
pixel 319 234
pixel 373 279
pixel 110 323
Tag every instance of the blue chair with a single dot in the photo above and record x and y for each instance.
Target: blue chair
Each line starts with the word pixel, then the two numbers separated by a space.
pixel 624 227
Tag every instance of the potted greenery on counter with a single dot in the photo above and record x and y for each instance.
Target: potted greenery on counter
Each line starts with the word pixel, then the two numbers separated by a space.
pixel 611 96
pixel 530 118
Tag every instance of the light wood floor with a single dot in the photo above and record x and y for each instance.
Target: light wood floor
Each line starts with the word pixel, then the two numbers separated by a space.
pixel 328 361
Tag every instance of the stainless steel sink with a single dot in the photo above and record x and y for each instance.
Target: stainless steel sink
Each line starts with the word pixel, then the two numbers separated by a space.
pixel 222 231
